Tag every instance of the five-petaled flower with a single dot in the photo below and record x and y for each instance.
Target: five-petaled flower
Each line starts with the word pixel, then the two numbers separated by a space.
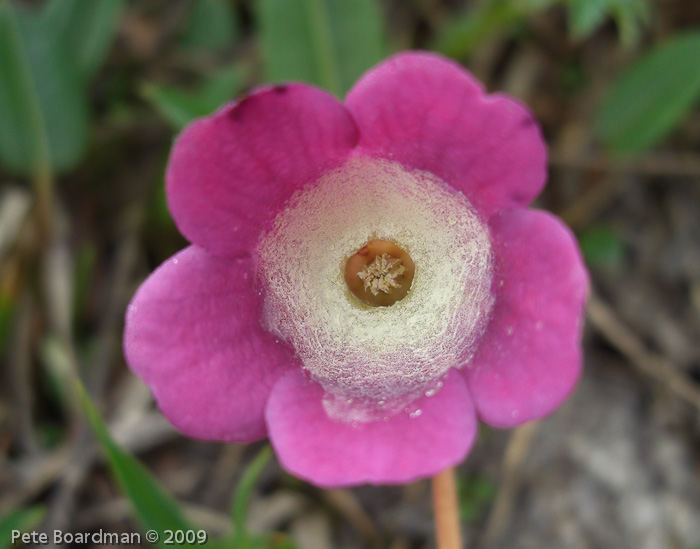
pixel 364 279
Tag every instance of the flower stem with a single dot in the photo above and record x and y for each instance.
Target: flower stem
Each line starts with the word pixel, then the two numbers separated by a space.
pixel 446 511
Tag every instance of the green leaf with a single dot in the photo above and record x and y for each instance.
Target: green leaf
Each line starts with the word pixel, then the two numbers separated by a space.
pixel 22 520
pixel 62 96
pixel 86 27
pixel 212 25
pixel 23 141
pixel 153 505
pixel 585 16
pixel 649 100
pixel 329 43
pixel 464 33
pixel 43 103
pixel 630 16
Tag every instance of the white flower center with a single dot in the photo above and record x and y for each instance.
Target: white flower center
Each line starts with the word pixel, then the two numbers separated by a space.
pixel 377 358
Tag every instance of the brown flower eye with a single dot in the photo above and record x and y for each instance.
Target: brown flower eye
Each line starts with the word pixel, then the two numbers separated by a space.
pixel 380 273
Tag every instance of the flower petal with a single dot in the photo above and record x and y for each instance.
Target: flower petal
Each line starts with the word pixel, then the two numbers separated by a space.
pixel 230 173
pixel 328 453
pixel 193 334
pixel 530 357
pixel 429 113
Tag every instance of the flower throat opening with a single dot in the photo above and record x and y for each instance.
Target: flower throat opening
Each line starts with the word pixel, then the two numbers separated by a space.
pixel 376 352
pixel 380 273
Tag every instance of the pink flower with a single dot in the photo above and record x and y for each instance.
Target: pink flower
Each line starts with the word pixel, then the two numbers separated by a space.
pixel 253 331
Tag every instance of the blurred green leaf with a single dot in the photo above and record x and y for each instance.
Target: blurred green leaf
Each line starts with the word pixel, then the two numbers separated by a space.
pixel 46 58
pixel 630 16
pixel 601 246
pixel 22 520
pixel 43 103
pixel 62 95
pixel 85 28
pixel 154 507
pixel 23 141
pixel 585 16
pixel 466 31
pixel 463 33
pixel 180 107
pixel 212 25
pixel 329 43
pixel 649 100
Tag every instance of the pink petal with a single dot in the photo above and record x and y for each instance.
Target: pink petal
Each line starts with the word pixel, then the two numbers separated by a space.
pixel 230 173
pixel 193 334
pixel 328 452
pixel 530 357
pixel 429 113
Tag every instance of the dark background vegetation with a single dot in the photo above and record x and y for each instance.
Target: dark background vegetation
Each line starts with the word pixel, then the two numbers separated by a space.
pixel 92 93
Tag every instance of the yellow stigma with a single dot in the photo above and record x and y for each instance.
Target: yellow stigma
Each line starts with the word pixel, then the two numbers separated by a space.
pixel 380 273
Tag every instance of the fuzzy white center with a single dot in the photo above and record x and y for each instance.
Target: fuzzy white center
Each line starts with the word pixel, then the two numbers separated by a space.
pixel 377 355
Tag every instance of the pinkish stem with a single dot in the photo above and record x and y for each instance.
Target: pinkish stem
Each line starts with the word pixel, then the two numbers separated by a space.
pixel 446 511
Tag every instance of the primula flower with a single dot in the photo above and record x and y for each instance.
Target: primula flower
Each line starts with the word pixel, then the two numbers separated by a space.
pixel 364 279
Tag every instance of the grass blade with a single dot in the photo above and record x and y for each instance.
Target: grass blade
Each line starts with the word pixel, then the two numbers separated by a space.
pixel 22 520
pixel 154 507
pixel 245 487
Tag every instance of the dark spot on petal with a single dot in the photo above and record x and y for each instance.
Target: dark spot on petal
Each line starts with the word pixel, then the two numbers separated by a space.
pixel 237 111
